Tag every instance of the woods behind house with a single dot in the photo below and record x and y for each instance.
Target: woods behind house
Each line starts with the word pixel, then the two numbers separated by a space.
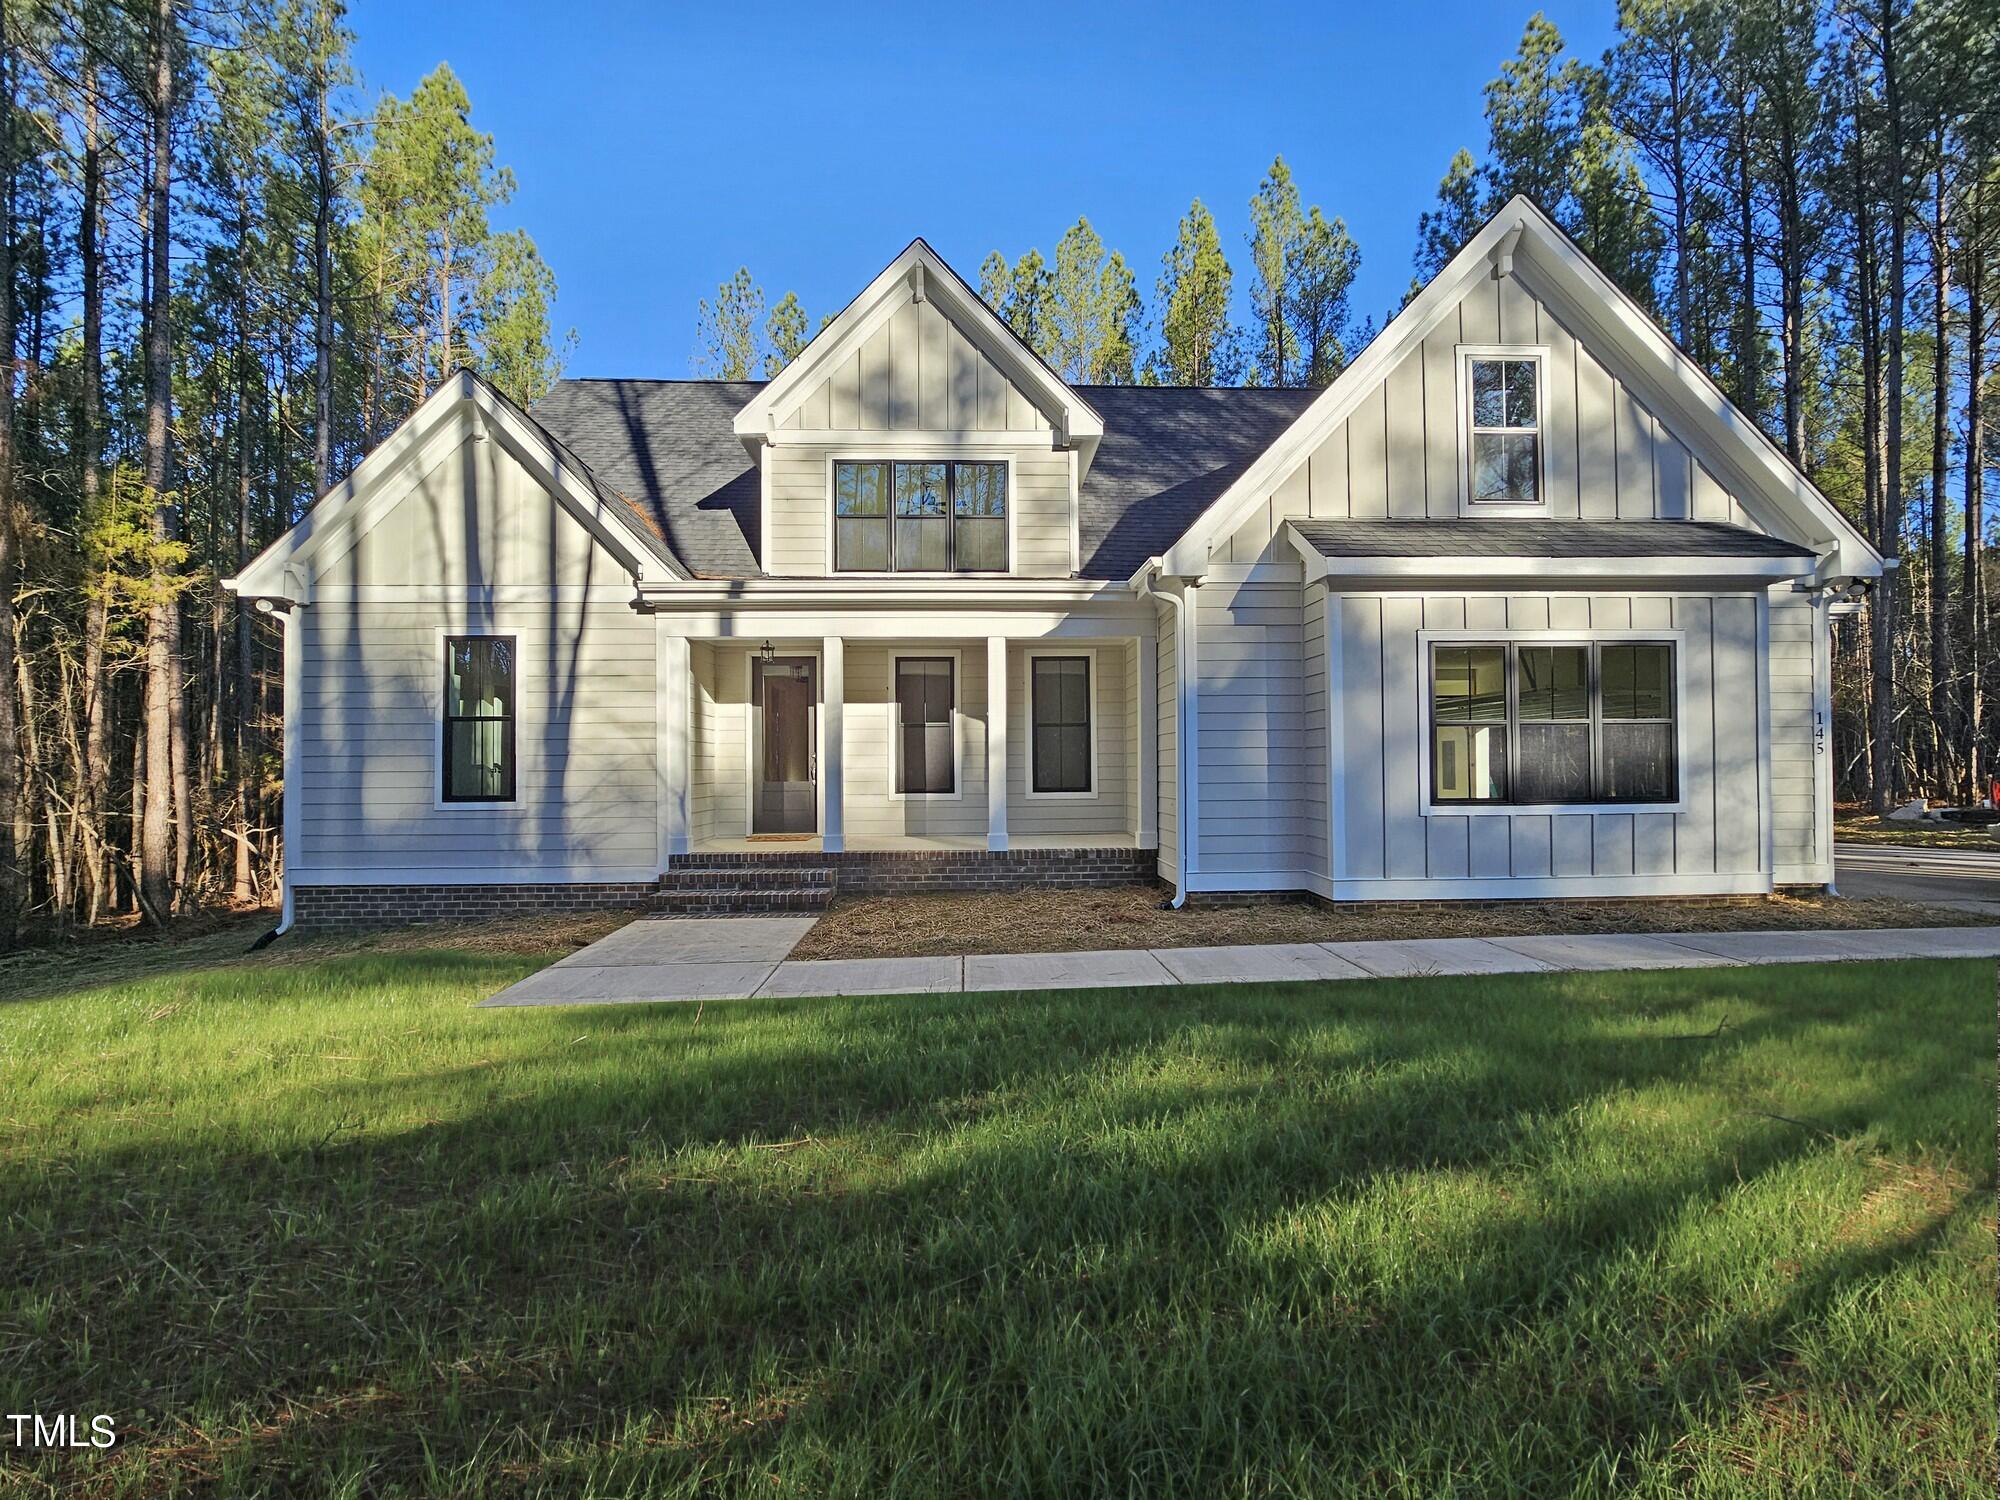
pixel 228 269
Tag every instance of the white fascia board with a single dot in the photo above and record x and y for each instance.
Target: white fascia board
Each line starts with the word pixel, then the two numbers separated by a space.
pixel 883 593
pixel 1523 237
pixel 920 273
pixel 1188 557
pixel 264 576
pixel 451 413
pixel 1559 273
pixel 1536 572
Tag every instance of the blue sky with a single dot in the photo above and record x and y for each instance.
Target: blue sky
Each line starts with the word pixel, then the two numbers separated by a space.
pixel 660 145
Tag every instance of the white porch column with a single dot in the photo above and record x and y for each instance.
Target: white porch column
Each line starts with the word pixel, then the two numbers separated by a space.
pixel 672 761
pixel 833 736
pixel 996 742
pixel 1146 662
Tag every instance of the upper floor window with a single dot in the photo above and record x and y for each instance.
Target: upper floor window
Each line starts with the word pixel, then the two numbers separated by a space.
pixel 1534 724
pixel 1503 447
pixel 922 516
pixel 478 745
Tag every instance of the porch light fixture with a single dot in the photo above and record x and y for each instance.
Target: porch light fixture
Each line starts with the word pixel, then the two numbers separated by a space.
pixel 767 651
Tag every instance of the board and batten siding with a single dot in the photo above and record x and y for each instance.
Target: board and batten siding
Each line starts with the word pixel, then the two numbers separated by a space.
pixel 916 374
pixel 1387 846
pixel 1166 713
pixel 481 533
pixel 1397 455
pixel 1315 829
pixel 1795 744
pixel 1250 708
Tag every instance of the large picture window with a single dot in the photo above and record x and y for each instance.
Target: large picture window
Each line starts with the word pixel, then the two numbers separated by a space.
pixel 478 749
pixel 924 516
pixel 1533 724
pixel 926 752
pixel 1059 714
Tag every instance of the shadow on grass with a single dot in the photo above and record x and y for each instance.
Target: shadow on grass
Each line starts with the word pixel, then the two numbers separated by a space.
pixel 1372 1237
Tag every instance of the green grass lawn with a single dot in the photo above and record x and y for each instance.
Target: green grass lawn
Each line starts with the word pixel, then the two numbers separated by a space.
pixel 317 1226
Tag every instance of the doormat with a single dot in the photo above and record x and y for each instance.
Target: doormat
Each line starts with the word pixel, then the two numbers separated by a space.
pixel 782 838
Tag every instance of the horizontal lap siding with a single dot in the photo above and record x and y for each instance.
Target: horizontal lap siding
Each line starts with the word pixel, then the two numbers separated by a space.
pixel 1114 749
pixel 1386 836
pixel 870 811
pixel 1397 455
pixel 802 505
pixel 371 695
pixel 1252 724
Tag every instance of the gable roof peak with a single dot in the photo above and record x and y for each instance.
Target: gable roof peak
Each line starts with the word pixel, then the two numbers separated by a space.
pixel 919 274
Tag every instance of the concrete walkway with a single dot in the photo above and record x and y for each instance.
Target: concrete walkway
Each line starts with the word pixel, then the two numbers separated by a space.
pixel 736 958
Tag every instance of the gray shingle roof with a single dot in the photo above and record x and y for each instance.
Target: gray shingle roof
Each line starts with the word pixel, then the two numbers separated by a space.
pixel 1533 538
pixel 668 448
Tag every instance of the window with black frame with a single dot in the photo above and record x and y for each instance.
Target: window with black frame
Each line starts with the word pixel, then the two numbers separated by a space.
pixel 919 516
pixel 1059 709
pixel 925 762
pixel 478 750
pixel 1533 724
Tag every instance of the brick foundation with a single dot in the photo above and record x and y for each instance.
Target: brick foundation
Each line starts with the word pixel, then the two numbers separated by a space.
pixel 913 872
pixel 320 908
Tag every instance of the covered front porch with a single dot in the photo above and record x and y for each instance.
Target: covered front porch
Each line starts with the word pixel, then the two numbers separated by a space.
pixel 830 745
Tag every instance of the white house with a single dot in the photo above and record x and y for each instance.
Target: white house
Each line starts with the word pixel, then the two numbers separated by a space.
pixel 1519 606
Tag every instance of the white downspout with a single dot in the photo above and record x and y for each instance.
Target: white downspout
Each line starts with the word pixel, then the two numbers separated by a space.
pixel 1147 590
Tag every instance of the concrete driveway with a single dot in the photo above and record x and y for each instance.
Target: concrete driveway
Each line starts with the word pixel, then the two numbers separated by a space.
pixel 1963 879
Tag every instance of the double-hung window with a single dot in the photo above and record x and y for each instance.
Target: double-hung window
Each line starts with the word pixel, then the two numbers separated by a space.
pixel 1059 715
pixel 1504 429
pixel 478 729
pixel 926 746
pixel 1536 724
pixel 920 516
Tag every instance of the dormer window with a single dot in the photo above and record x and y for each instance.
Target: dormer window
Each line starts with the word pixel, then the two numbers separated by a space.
pixel 1502 394
pixel 919 516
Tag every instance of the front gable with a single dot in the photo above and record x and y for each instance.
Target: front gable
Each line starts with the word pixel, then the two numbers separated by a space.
pixel 468 489
pixel 1633 428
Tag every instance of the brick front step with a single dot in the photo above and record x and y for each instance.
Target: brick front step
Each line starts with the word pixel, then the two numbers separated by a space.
pixel 878 872
pixel 705 875
pixel 738 901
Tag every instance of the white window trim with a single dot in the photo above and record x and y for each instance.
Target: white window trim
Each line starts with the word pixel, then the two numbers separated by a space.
pixel 1029 658
pixel 940 453
pixel 446 633
pixel 891 709
pixel 1539 354
pixel 753 734
pixel 1430 808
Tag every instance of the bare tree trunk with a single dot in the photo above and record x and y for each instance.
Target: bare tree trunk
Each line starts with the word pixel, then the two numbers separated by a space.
pixel 96 788
pixel 1941 738
pixel 1973 599
pixel 1749 351
pixel 322 265
pixel 13 875
pixel 1887 589
pixel 163 609
pixel 243 750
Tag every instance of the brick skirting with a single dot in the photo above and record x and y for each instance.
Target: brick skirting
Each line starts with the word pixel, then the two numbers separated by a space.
pixel 320 908
pixel 911 872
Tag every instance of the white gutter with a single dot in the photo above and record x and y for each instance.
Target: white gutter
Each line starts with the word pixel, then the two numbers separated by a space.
pixel 1142 581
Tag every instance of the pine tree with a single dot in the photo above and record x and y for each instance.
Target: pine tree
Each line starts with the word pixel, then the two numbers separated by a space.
pixel 1198 343
pixel 1091 308
pixel 1534 118
pixel 727 331
pixel 1277 230
pixel 1443 231
pixel 516 291
pixel 786 333
pixel 1323 272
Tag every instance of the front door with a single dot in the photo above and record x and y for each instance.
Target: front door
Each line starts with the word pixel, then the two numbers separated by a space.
pixel 786 752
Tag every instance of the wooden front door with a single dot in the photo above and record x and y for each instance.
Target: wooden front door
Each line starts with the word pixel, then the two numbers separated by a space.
pixel 785 691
